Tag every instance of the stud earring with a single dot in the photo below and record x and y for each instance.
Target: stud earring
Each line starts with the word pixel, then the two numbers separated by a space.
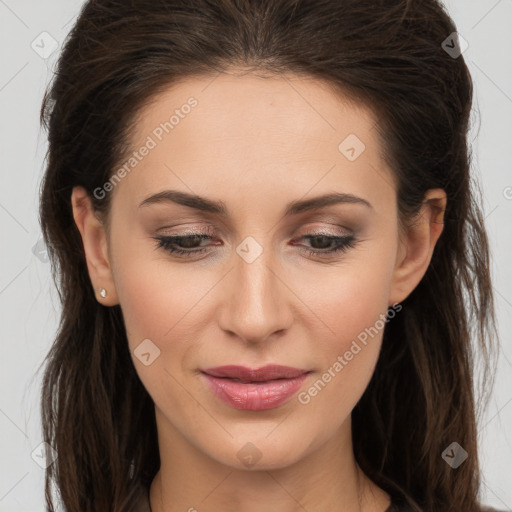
pixel 103 292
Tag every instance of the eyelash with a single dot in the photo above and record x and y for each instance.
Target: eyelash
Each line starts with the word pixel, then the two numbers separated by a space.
pixel 343 244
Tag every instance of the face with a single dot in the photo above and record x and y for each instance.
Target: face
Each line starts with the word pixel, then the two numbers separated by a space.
pixel 266 276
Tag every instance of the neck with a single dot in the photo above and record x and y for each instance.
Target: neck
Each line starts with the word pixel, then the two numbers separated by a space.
pixel 328 478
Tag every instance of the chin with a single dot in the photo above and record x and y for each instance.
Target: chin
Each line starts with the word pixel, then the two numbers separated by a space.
pixel 260 454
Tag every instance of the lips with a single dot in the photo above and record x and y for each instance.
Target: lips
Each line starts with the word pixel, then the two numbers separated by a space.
pixel 266 373
pixel 254 389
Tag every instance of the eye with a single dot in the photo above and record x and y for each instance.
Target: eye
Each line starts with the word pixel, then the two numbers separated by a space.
pixel 329 244
pixel 190 244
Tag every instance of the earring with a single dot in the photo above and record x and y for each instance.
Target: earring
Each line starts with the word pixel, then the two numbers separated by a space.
pixel 103 292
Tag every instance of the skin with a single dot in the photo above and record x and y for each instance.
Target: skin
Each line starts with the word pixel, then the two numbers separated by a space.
pixel 257 144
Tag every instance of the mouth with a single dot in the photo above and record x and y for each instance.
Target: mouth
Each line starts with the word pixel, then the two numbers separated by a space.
pixel 263 374
pixel 254 389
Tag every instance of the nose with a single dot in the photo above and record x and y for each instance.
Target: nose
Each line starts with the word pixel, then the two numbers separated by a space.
pixel 256 299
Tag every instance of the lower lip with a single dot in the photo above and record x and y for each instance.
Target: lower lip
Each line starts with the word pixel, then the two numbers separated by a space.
pixel 252 396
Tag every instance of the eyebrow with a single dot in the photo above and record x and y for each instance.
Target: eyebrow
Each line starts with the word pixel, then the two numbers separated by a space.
pixel 219 207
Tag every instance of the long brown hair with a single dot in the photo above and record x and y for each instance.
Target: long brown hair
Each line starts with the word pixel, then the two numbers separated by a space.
pixel 387 54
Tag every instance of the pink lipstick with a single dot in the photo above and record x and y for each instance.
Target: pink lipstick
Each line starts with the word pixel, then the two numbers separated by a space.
pixel 255 389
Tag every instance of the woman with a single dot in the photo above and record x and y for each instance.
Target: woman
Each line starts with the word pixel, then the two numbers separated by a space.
pixel 261 220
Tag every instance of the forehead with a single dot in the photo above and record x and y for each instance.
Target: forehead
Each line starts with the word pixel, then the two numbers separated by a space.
pixel 284 133
pixel 249 108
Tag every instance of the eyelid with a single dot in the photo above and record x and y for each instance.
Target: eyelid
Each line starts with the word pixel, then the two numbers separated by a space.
pixel 341 231
pixel 206 230
pixel 326 225
pixel 343 243
pixel 212 232
pixel 317 229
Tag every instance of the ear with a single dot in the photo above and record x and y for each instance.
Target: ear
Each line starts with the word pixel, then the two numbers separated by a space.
pixel 417 246
pixel 94 239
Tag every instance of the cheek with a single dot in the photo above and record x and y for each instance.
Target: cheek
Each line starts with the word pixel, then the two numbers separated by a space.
pixel 159 306
pixel 351 298
pixel 165 305
pixel 152 300
pixel 355 316
pixel 155 295
pixel 351 302
pixel 158 301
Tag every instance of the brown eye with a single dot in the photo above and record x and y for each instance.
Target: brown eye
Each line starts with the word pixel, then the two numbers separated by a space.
pixel 329 244
pixel 183 244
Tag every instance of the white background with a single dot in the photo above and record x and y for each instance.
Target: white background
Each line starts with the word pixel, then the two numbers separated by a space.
pixel 28 303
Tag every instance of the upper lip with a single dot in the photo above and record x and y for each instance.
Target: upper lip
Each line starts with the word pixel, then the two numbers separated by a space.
pixel 268 372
